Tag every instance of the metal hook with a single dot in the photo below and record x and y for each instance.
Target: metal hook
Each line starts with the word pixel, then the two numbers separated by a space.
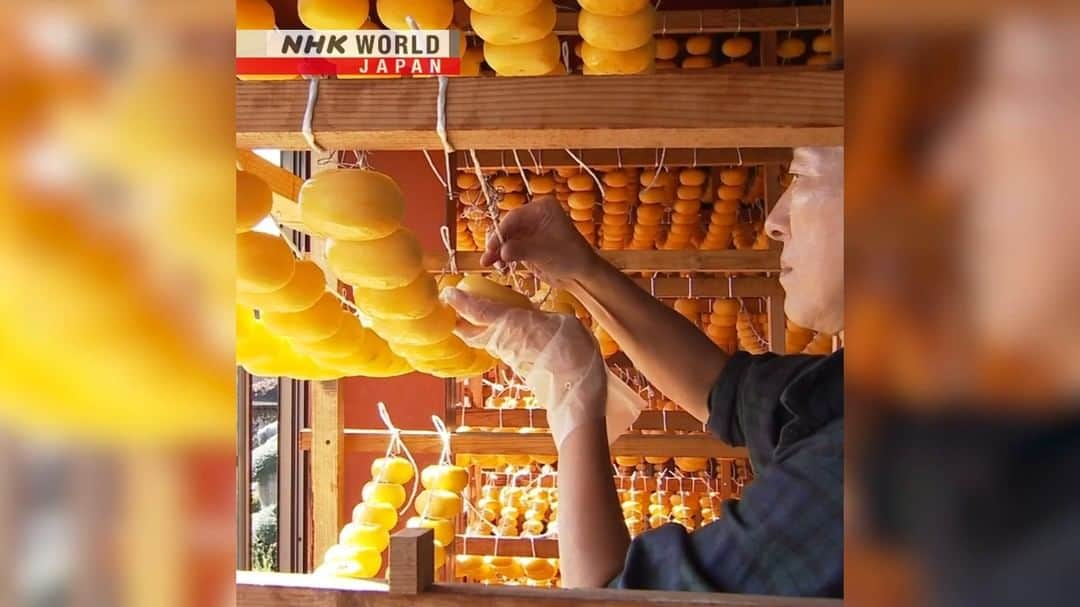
pixel 663 23
pixel 730 287
pixel 690 286
pixel 738 151
pixel 652 285
pixel 701 22
pixel 738 22
pixel 694 161
pixel 618 157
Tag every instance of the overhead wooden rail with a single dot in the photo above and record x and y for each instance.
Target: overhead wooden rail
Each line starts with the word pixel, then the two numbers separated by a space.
pixel 759 108
pixel 709 21
pixel 495 443
pixel 503 160
pixel 545 548
pixel 689 260
pixel 676 421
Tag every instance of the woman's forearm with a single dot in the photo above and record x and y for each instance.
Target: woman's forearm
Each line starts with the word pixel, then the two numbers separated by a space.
pixel 593 539
pixel 670 351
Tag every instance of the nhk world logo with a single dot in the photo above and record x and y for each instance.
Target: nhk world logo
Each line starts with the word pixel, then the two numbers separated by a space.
pixel 356 52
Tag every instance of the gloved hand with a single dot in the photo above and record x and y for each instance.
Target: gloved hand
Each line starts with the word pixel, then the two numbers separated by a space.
pixel 557 357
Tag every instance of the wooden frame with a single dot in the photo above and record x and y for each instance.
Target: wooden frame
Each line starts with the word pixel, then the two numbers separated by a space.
pixel 691 260
pixel 411 585
pixel 763 107
pixel 494 443
pixel 612 158
pixel 673 421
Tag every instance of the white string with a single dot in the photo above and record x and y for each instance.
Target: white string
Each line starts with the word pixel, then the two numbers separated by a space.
pixel 738 151
pixel 694 161
pixel 762 342
pixel 730 287
pixel 444 436
pixel 395 444
pixel 309 115
pixel 443 182
pixel 521 173
pixel 535 163
pixel 440 116
pixel 599 183
pixel 618 157
pixel 659 167
pixel 493 209
pixel 451 254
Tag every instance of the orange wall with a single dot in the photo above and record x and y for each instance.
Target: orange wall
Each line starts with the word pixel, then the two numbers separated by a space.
pixel 411 399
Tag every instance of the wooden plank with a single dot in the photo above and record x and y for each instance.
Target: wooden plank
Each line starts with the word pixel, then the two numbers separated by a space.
pixel 722 20
pixel 494 443
pixel 777 325
pixel 674 421
pixel 607 159
pixel 327 463
pixel 284 185
pixel 711 287
pixel 836 27
pixel 766 108
pixel 260 589
pixel 412 561
pixel 691 260
pixel 281 182
pixel 768 51
pixel 545 548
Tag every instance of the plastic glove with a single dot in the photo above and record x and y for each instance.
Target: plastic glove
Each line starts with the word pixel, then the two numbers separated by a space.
pixel 557 357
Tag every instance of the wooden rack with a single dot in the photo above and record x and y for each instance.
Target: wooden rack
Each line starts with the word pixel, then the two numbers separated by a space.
pixel 711 21
pixel 412 584
pixel 494 443
pixel 674 421
pixel 762 107
pixel 607 159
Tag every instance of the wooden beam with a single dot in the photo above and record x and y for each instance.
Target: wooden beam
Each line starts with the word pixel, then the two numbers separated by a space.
pixel 412 561
pixel 752 286
pixel 837 28
pixel 607 159
pixel 777 325
pixel 284 185
pixel 327 443
pixel 768 50
pixel 721 20
pixel 690 260
pixel 766 108
pixel 546 548
pixel 494 443
pixel 675 421
pixel 261 589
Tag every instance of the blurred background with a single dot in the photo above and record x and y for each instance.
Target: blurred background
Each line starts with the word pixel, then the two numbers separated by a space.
pixel 117 386
pixel 117 383
pixel 963 338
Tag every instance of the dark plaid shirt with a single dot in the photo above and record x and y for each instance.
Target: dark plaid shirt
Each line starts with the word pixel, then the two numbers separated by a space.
pixel 786 535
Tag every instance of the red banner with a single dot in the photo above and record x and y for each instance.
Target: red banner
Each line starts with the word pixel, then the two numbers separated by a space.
pixel 313 66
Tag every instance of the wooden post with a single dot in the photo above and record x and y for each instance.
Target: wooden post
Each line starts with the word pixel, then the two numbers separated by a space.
pixel 768 48
pixel 412 561
pixel 327 459
pixel 837 27
pixel 777 325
